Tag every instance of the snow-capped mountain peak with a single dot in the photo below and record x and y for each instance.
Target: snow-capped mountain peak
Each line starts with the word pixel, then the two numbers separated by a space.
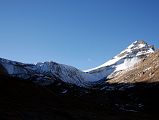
pixel 45 73
pixel 124 60
pixel 137 48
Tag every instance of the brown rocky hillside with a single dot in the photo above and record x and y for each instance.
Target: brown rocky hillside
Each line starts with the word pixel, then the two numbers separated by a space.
pixel 145 71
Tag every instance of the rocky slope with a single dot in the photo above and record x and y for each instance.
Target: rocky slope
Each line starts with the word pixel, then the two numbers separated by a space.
pixel 46 73
pixel 25 100
pixel 147 70
pixel 124 88
pixel 124 61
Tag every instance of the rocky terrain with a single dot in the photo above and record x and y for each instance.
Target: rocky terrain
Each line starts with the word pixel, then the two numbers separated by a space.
pixel 146 71
pixel 124 88
pixel 45 73
pixel 24 100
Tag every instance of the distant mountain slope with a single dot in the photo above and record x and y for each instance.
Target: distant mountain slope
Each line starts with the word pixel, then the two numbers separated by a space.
pixel 124 61
pixel 46 73
pixel 146 70
pixel 136 49
pixel 124 88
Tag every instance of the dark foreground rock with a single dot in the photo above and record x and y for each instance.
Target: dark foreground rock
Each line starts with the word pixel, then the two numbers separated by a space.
pixel 24 100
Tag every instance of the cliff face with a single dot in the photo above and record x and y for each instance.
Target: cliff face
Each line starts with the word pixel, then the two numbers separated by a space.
pixel 146 70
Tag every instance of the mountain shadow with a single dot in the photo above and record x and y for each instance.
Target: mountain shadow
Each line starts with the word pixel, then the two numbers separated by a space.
pixel 24 100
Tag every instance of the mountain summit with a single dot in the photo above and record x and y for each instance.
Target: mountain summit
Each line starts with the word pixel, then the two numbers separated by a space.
pixel 136 49
pixel 125 60
pixel 46 73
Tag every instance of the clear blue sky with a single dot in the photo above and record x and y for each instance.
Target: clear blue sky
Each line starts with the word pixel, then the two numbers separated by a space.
pixel 81 33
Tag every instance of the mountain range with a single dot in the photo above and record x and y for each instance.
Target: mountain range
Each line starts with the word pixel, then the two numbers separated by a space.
pixel 44 73
pixel 122 88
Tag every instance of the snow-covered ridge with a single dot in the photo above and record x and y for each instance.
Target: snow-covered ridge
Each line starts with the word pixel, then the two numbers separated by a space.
pixel 47 70
pixel 124 60
pixel 44 73
pixel 136 49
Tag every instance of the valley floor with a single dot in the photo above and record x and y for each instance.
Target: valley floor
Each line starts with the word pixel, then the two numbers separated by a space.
pixel 23 100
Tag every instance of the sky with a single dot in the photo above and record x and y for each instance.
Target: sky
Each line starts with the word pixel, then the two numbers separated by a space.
pixel 80 33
